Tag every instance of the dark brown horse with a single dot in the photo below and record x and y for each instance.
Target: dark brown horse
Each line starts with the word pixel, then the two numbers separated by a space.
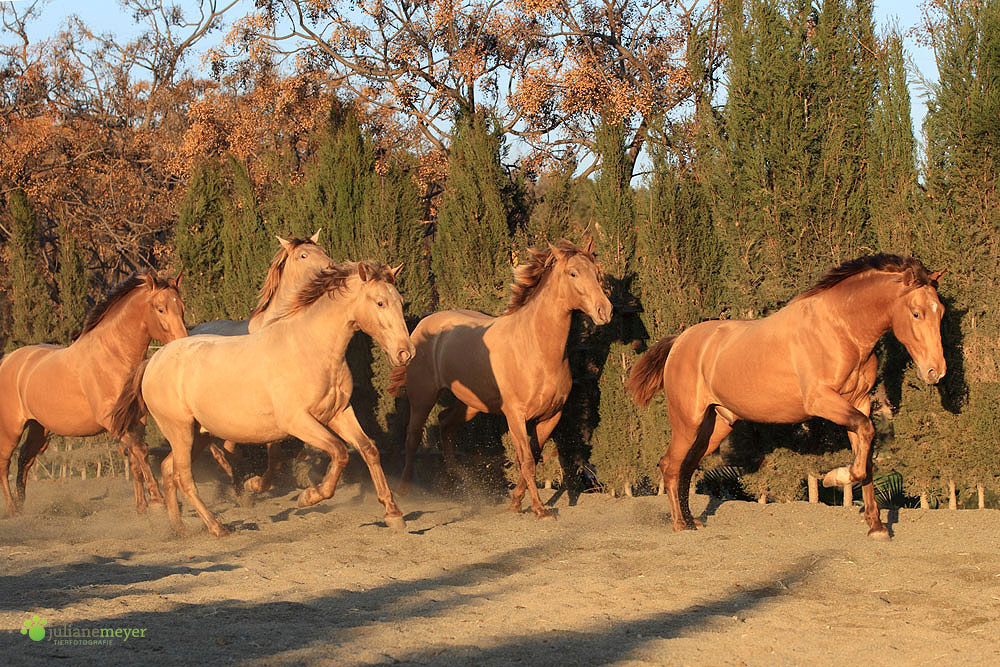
pixel 813 358
pixel 50 389
pixel 515 364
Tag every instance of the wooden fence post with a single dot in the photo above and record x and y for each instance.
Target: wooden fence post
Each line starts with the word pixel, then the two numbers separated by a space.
pixel 813 483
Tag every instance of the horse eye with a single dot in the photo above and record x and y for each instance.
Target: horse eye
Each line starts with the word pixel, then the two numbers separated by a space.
pixel 380 304
pixel 159 310
pixel 572 274
pixel 303 255
pixel 916 315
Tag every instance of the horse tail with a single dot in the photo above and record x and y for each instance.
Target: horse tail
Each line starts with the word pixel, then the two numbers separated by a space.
pixel 397 381
pixel 130 406
pixel 646 377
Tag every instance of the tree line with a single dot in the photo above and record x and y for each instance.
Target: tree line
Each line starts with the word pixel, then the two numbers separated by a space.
pixel 793 151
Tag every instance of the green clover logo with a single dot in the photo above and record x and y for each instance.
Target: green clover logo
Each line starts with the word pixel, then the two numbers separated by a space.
pixel 34 627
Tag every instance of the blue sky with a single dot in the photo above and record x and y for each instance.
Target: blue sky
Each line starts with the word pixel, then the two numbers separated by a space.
pixel 109 17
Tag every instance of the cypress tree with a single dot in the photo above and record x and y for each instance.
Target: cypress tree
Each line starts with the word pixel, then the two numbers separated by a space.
pixel 962 130
pixel 72 283
pixel 32 316
pixel 247 247
pixel 616 451
pixel 471 256
pixel 199 240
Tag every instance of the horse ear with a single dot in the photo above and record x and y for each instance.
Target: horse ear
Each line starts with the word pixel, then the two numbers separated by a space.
pixel 315 237
pixel 396 271
pixel 590 246
pixel 907 277
pixel 362 273
pixel 936 276
pixel 149 278
pixel 285 243
pixel 177 280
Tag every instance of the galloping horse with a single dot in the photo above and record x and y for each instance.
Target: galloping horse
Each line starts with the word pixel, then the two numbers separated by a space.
pixel 296 263
pixel 286 379
pixel 50 389
pixel 515 364
pixel 813 358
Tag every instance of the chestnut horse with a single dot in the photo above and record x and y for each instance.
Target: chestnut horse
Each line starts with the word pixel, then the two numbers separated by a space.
pixel 287 379
pixel 515 364
pixel 813 358
pixel 48 389
pixel 296 263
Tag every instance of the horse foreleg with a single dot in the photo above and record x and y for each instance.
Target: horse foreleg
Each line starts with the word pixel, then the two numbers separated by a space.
pixel 526 460
pixel 276 457
pixel 346 425
pixel 876 529
pixel 315 434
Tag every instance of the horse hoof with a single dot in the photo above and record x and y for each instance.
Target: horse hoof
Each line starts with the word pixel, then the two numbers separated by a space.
pixel 403 489
pixel 678 527
pixel 308 498
pixel 395 522
pixel 837 477
pixel 219 531
pixel 256 485
pixel 880 534
pixel 514 508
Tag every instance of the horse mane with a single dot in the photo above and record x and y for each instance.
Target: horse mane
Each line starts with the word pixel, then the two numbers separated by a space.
pixel 880 262
pixel 118 293
pixel 273 278
pixel 528 276
pixel 333 280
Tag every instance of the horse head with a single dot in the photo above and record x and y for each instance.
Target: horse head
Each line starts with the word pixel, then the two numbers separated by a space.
pixel 916 323
pixel 165 316
pixel 580 275
pixel 378 311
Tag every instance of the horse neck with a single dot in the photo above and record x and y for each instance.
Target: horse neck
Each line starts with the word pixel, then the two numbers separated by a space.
pixel 549 318
pixel 867 310
pixel 326 327
pixel 123 332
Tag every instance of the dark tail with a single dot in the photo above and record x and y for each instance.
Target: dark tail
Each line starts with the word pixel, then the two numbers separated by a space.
pixel 397 381
pixel 646 377
pixel 130 407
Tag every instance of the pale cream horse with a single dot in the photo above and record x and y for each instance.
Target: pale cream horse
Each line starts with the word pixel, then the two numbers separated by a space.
pixel 287 379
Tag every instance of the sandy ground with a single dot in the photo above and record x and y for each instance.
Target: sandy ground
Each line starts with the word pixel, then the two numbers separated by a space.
pixel 470 583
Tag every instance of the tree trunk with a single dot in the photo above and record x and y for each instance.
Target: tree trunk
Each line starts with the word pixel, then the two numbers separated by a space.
pixel 981 492
pixel 628 490
pixel 98 468
pixel 813 482
pixel 924 503
pixel 548 484
pixel 952 496
pixel 848 495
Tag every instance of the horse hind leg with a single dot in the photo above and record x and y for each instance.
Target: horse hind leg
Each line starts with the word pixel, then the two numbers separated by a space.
pixel 35 443
pixel 688 445
pixel 420 409
pixel 185 445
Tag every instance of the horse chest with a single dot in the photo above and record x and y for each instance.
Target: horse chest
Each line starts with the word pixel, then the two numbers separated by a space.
pixel 549 395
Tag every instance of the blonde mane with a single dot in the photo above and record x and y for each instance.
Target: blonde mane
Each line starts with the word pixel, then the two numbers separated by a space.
pixel 333 280
pixel 274 273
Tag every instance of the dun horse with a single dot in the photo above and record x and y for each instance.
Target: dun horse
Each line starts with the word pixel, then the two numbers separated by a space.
pixel 287 379
pixel 813 358
pixel 515 364
pixel 50 389
pixel 296 263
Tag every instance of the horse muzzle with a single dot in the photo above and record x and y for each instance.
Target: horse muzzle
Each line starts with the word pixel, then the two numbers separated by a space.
pixel 602 313
pixel 933 375
pixel 404 356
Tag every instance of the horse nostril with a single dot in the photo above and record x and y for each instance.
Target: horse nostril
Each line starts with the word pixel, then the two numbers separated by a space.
pixel 404 356
pixel 933 375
